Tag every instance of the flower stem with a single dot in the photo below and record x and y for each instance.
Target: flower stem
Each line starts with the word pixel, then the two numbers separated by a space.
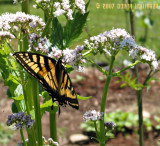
pixel 35 96
pixel 25 7
pixel 97 133
pixel 128 67
pixel 53 126
pixel 140 114
pixel 22 136
pixel 99 68
pixel 103 103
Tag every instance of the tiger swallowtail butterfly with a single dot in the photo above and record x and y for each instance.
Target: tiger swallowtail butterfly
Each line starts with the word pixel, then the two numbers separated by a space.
pixel 52 75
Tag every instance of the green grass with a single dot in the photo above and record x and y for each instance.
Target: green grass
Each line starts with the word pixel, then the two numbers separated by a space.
pixel 101 20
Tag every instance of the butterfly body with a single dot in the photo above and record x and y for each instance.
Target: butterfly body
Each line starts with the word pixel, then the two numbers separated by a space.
pixel 51 74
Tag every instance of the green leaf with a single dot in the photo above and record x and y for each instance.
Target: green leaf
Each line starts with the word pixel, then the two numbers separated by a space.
pixel 62 37
pixel 12 83
pixel 74 27
pixel 47 106
pixel 83 98
pixel 45 95
pixel 18 91
pixel 14 108
pixel 69 68
pixel 57 36
pixel 20 97
pixel 6 49
pixel 123 85
pixel 151 79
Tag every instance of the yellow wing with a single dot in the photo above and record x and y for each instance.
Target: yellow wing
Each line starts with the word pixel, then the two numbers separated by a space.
pixel 51 74
pixel 66 89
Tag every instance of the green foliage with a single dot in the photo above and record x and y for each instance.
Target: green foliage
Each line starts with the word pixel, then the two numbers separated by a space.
pixel 57 34
pixel 62 37
pixel 5 134
pixel 123 121
pixel 46 106
pixel 129 82
pixel 7 73
pixel 88 126
pixel 74 27
pixel 83 98
pixel 69 68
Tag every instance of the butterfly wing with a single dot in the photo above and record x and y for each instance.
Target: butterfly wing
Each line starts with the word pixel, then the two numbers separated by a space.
pixel 42 68
pixel 51 74
pixel 66 90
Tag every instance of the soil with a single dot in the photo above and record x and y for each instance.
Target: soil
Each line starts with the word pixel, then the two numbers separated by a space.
pixel 92 84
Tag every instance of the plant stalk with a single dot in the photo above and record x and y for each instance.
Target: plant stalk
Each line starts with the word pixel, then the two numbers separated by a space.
pixel 25 7
pixel 140 115
pixel 22 137
pixel 139 92
pixel 53 126
pixel 103 103
pixel 128 67
pixel 35 96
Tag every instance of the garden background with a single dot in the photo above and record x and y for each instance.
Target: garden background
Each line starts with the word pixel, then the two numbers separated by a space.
pixel 121 102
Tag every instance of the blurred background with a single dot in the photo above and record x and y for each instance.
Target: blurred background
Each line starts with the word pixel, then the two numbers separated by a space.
pixel 122 102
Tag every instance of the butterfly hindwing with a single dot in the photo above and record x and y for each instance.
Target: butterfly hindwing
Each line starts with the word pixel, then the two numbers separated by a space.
pixel 51 74
pixel 65 86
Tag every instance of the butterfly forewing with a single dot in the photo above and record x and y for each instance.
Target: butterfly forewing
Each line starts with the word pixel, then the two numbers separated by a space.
pixel 51 74
pixel 41 67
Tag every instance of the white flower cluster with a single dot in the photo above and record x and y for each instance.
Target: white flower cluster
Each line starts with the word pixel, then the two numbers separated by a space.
pixel 62 7
pixel 148 55
pixel 49 141
pixel 111 42
pixel 93 115
pixel 6 35
pixel 21 22
pixel 36 42
pixel 71 57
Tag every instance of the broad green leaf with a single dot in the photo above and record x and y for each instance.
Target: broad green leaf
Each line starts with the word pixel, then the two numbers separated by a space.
pixel 20 97
pixel 47 106
pixel 18 91
pixel 14 108
pixel 6 49
pixel 20 104
pixel 57 36
pixel 83 98
pixel 12 83
pixel 74 27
